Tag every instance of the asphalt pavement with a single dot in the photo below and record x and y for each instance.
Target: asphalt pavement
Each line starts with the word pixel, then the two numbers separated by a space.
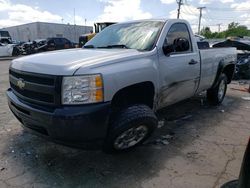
pixel 195 146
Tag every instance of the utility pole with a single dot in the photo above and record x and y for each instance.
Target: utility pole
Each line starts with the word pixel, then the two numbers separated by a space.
pixel 85 20
pixel 199 27
pixel 74 16
pixel 74 25
pixel 179 2
pixel 219 27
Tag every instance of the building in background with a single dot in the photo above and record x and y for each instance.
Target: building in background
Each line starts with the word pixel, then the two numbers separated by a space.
pixel 42 30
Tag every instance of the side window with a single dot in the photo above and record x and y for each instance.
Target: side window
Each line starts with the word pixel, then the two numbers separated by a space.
pixel 50 41
pixel 177 40
pixel 58 41
pixel 65 41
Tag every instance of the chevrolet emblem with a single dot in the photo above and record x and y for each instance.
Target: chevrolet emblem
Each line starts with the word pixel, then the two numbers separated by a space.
pixel 20 83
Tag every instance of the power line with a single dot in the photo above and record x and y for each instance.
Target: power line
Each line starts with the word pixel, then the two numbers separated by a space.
pixel 228 9
pixel 210 18
pixel 227 18
pixel 206 25
pixel 189 10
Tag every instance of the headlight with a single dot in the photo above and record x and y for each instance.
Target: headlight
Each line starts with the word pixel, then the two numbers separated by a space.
pixel 82 89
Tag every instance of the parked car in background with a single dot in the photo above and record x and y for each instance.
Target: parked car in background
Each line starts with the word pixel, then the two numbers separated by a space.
pixel 41 42
pixel 199 37
pixel 5 37
pixel 8 50
pixel 27 48
pixel 242 70
pixel 58 43
pixel 42 45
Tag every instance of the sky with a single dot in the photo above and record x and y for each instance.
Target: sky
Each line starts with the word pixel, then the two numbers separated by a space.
pixel 223 12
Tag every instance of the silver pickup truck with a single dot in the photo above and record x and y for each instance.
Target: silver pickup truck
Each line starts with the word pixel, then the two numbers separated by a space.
pixel 107 94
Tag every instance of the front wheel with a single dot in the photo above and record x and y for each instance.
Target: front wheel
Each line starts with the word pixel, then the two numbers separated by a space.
pixel 216 94
pixel 130 128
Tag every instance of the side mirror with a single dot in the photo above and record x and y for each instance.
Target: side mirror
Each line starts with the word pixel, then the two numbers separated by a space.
pixel 167 49
pixel 179 45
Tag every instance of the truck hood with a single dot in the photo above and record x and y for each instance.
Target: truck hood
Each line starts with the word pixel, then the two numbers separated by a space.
pixel 67 62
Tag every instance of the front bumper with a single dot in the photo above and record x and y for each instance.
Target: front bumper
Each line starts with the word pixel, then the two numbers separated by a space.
pixel 81 126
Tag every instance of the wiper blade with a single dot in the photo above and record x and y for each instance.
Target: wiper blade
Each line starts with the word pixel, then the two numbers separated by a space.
pixel 89 46
pixel 115 46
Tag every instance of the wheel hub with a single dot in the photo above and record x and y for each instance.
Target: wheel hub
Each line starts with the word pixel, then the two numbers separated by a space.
pixel 221 91
pixel 130 137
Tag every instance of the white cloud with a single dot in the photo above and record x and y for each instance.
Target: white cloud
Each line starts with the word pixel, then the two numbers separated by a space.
pixel 214 1
pixel 79 20
pixel 189 13
pixel 122 10
pixel 203 2
pixel 227 1
pixel 241 6
pixel 168 1
pixel 20 14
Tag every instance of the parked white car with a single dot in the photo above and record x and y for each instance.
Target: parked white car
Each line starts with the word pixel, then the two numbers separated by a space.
pixel 8 50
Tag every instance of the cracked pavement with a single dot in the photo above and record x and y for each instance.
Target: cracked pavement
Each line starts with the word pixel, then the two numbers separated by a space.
pixel 197 146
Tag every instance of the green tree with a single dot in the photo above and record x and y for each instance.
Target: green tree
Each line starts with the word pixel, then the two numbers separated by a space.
pixel 234 30
pixel 233 25
pixel 206 32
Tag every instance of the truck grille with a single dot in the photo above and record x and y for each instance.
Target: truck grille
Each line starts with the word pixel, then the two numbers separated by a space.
pixel 36 88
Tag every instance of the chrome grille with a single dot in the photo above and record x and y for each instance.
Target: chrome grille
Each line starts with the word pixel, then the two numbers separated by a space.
pixel 36 88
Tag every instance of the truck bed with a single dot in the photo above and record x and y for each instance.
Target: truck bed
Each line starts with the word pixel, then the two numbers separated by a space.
pixel 210 59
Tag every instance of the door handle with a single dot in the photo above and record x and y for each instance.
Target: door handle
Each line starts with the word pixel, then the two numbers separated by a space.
pixel 193 62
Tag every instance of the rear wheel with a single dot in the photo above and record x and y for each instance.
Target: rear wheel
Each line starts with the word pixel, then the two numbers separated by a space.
pixel 130 128
pixel 216 94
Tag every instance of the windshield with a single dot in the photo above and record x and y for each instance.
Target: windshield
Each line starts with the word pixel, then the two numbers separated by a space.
pixel 4 34
pixel 136 35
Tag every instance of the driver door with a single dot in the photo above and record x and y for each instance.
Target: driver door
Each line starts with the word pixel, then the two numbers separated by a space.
pixel 179 70
pixel 3 50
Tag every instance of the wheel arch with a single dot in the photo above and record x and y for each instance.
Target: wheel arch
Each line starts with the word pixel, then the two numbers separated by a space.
pixel 229 71
pixel 138 93
pixel 226 68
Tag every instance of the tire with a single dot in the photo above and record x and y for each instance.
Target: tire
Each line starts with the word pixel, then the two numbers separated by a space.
pixel 131 127
pixel 231 184
pixel 216 95
pixel 16 52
